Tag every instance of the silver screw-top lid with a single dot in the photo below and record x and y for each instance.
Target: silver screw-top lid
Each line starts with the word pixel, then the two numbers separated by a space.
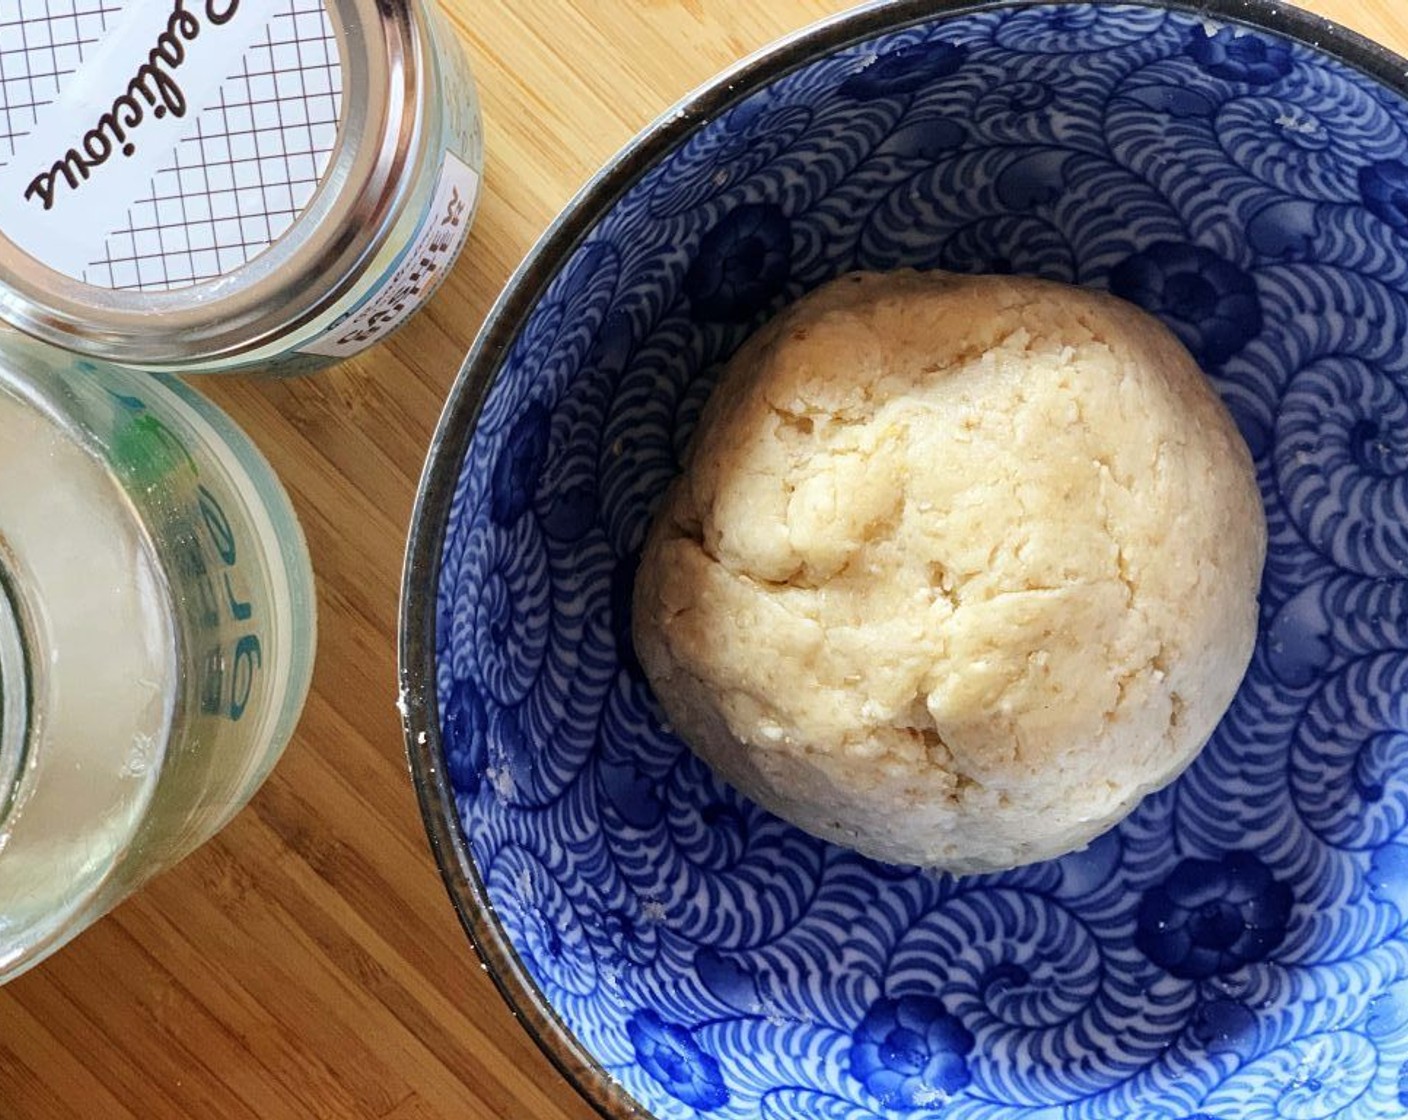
pixel 189 178
pixel 151 146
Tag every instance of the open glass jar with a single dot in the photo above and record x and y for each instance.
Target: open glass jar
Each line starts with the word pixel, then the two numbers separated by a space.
pixel 223 185
pixel 157 632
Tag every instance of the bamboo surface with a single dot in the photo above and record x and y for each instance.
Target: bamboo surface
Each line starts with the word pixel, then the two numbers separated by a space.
pixel 307 963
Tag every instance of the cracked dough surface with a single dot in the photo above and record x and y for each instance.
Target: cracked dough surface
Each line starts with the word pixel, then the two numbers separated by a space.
pixel 958 570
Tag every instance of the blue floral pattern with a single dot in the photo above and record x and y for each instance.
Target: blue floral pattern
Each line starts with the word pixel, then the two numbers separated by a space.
pixel 1239 945
pixel 742 263
pixel 910 1052
pixel 906 69
pixel 465 738
pixel 1211 304
pixel 668 1053
pixel 1213 916
pixel 1239 55
pixel 1384 187
pixel 518 470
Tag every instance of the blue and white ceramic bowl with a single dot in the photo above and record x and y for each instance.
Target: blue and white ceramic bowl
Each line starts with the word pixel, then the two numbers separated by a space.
pixel 1238 948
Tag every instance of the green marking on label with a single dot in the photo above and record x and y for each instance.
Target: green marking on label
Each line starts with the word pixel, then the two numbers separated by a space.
pixel 148 452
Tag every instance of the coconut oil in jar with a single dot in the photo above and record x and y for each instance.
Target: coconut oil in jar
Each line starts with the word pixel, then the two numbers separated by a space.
pixel 157 634
pixel 87 659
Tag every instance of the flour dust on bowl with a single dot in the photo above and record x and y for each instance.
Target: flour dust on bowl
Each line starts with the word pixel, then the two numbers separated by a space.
pixel 1235 947
pixel 214 185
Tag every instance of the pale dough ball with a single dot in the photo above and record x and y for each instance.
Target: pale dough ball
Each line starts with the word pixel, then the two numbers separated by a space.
pixel 959 568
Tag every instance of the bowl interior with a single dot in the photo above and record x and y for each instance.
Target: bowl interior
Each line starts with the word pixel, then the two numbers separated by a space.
pixel 1231 950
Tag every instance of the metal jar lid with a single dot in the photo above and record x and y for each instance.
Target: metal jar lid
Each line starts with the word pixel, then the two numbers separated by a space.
pixel 187 180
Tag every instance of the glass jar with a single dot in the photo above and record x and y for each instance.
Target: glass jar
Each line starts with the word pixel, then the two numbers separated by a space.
pixel 157 632
pixel 231 185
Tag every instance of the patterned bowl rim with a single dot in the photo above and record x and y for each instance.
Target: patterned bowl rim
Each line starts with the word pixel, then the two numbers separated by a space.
pixel 485 361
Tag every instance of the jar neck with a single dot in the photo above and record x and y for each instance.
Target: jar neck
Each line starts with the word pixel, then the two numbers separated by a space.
pixel 14 696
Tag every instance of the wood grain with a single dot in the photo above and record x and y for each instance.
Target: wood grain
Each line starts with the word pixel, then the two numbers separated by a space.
pixel 307 962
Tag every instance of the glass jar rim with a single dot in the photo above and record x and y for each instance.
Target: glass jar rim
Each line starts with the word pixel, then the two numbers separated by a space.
pixel 15 699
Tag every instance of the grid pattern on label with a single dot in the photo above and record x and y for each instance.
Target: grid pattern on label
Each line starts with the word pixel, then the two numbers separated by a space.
pixel 42 42
pixel 235 184
pixel 251 167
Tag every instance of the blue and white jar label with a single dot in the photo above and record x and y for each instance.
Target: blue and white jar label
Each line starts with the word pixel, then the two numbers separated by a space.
pixel 157 144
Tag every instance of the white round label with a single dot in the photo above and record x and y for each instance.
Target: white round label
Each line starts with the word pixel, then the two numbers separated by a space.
pixel 151 145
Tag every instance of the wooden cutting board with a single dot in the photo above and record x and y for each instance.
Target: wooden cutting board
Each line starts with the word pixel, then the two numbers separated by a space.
pixel 307 963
